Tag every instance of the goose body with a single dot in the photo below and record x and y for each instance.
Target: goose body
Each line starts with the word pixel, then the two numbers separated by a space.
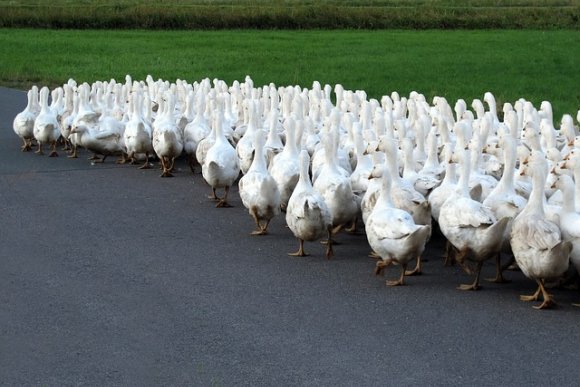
pixel 335 187
pixel 403 193
pixel 423 183
pixel 85 117
pixel 167 138
pixel 307 214
pixel 46 128
pixel 23 124
pixel 245 146
pixel 194 132
pixel 503 199
pixel 258 189
pixel 470 227
pixel 536 242
pixel 138 135
pixel 393 234
pixel 569 218
pixel 221 165
pixel 100 142
pixel 285 167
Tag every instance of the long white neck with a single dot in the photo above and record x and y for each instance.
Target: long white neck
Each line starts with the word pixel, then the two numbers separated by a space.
pixel 463 183
pixel 450 174
pixel 567 186
pixel 330 149
pixel 290 146
pixel 391 160
pixel 304 180
pixel 507 179
pixel 535 203
pixel 259 161
pixel 44 108
pixel 385 199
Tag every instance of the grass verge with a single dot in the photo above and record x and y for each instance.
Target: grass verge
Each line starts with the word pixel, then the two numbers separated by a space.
pixel 535 65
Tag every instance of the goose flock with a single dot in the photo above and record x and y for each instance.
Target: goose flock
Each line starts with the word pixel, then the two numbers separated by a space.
pixel 332 160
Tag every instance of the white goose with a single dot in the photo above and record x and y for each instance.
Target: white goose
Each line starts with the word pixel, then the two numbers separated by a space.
pixel 70 109
pixel 285 167
pixel 307 215
pixel 504 201
pixel 570 218
pixel 221 165
pixel 447 187
pixel 537 243
pixel 404 195
pixel 392 233
pixel 195 131
pixel 274 143
pixel 423 183
pixel 46 128
pixel 138 133
pixel 245 146
pixel 258 189
pixel 334 185
pixel 470 227
pixel 167 139
pixel 84 117
pixel 23 124
pixel 360 176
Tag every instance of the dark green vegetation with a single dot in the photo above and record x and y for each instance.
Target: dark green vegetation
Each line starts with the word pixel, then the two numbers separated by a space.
pixel 535 65
pixel 291 14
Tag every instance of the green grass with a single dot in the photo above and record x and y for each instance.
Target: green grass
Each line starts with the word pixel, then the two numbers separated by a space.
pixel 535 65
pixel 291 14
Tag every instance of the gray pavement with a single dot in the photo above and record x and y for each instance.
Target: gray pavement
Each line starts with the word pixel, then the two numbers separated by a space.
pixel 110 275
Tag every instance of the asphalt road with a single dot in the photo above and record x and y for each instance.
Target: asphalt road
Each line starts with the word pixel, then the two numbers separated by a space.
pixel 110 275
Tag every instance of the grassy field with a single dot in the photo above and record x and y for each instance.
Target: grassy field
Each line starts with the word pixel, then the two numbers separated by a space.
pixel 291 14
pixel 536 65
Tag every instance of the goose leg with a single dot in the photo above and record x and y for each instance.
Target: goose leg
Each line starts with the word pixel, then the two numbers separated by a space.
pixel 449 254
pixel 260 230
pixel 123 159
pixel 300 252
pixel 499 279
pixel 100 161
pixel 417 269
pixel 74 153
pixel 39 150
pixel 165 166
pixel 94 157
pixel 26 146
pixel 66 146
pixel 223 202
pixel 381 266
pixel 401 280
pixel 333 231
pixel 329 252
pixel 475 284
pixel 460 259
pixel 265 226
pixel 53 152
pixel 146 165
pixel 533 297
pixel 213 195
pixel 191 162
pixel 548 299
pixel 352 229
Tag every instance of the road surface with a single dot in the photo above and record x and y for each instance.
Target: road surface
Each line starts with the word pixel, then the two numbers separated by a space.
pixel 111 275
